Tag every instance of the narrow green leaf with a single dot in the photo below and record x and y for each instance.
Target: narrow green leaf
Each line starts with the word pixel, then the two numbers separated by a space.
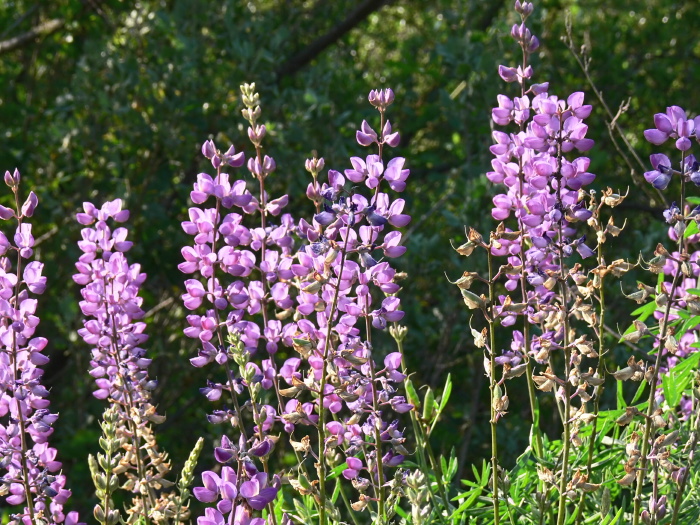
pixel 670 392
pixel 446 393
pixel 639 393
pixel 620 396
pixel 692 229
pixel 336 492
pixel 645 311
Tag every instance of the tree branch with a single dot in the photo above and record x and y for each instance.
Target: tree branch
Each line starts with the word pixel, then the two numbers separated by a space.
pixel 45 28
pixel 306 55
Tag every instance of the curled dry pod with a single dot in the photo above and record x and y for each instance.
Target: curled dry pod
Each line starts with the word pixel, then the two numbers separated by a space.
pixel 472 300
pixel 465 281
pixel 465 249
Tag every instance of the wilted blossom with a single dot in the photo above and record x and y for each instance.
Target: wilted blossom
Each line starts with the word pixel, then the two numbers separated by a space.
pixel 24 404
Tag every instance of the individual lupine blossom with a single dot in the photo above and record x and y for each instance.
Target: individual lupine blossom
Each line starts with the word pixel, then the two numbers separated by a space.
pixel 112 307
pixel 343 248
pixel 543 187
pixel 26 422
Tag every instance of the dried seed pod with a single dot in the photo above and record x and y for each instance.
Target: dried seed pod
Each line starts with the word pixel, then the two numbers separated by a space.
pixel 466 280
pixel 613 199
pixel 473 301
pixel 628 416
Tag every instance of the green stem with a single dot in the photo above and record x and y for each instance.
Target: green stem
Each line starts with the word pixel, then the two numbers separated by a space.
pixel 377 414
pixel 422 439
pixel 492 390
pixel 561 516
pixel 682 250
pixel 15 351
pixel 322 394
pixel 599 389
pixel 346 500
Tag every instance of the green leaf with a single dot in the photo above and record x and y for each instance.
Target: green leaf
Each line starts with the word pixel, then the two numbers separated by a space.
pixel 615 519
pixel 336 492
pixel 692 229
pixel 445 393
pixel 620 395
pixel 473 495
pixel 639 393
pixel 691 322
pixel 678 378
pixel 645 310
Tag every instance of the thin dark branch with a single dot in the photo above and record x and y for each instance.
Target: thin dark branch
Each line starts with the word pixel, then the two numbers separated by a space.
pixel 43 29
pixel 306 55
pixel 19 20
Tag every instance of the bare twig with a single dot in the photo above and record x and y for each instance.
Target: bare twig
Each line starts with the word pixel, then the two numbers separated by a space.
pixel 315 48
pixel 43 29
pixel 584 62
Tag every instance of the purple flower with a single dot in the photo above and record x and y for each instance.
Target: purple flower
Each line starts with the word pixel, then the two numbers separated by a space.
pixel 660 177
pixel 217 158
pixel 256 493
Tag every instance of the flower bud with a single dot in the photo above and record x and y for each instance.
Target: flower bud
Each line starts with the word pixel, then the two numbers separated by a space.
pixel 12 179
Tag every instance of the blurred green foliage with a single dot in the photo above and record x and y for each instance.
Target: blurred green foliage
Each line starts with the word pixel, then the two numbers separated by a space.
pixel 117 99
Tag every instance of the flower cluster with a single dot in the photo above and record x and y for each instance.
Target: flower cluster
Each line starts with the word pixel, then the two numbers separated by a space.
pixel 29 471
pixel 306 286
pixel 680 265
pixel 544 189
pixel 112 307
pixel 673 124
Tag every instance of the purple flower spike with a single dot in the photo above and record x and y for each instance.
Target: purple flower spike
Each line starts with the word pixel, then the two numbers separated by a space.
pixel 254 289
pixel 26 422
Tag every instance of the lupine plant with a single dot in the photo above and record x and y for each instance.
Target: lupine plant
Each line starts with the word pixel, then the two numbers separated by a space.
pixel 317 287
pixel 30 474
pixel 561 345
pixel 312 405
pixel 112 306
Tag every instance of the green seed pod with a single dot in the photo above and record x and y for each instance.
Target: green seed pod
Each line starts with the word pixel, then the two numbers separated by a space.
pixel 412 395
pixel 429 405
